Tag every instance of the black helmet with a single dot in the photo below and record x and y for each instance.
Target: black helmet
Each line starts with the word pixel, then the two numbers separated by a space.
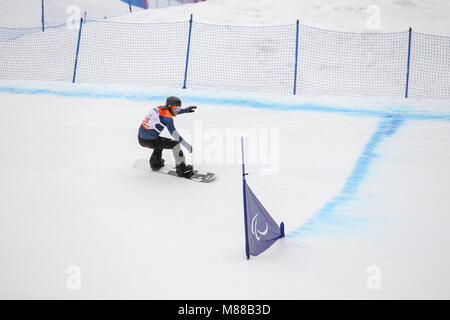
pixel 173 101
pixel 173 104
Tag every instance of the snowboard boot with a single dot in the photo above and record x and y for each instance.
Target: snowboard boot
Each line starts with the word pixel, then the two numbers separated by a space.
pixel 184 170
pixel 156 165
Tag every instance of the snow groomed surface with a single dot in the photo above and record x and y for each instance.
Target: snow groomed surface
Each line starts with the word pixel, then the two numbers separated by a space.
pixel 357 182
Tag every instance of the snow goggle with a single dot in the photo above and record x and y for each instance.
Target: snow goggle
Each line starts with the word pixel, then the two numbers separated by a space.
pixel 175 108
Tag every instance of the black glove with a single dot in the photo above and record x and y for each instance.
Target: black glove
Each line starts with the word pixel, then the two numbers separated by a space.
pixel 191 108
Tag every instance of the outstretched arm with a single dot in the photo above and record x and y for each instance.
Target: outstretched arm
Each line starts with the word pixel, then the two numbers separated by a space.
pixel 188 109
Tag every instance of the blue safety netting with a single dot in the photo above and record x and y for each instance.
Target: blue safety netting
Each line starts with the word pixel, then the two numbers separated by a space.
pixel 48 13
pixel 133 54
pixel 20 13
pixel 429 66
pixel 277 60
pixel 351 64
pixel 255 58
pixel 39 55
pixel 57 12
pixel 7 34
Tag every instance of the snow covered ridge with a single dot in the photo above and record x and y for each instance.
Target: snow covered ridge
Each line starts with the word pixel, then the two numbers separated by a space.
pixel 48 13
pixel 285 59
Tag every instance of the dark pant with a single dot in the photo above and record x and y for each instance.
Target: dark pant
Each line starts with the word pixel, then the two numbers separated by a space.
pixel 158 145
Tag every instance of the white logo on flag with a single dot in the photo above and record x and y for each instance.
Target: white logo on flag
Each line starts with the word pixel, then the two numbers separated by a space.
pixel 255 230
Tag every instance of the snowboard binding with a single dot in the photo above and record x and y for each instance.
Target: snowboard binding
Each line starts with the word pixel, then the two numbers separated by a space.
pixel 183 170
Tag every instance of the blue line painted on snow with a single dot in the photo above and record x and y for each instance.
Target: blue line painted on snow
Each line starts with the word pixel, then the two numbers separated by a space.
pixel 329 215
pixel 231 101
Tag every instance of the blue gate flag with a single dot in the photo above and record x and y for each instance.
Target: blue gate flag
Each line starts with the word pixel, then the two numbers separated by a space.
pixel 262 230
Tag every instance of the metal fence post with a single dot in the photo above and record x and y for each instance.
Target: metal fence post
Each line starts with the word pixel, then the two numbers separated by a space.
pixel 187 54
pixel 42 16
pixel 296 58
pixel 78 50
pixel 247 249
pixel 409 60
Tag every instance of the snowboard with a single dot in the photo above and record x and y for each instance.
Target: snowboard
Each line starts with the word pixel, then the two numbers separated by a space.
pixel 198 176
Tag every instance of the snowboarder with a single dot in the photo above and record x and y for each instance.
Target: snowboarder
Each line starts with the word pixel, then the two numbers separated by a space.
pixel 149 136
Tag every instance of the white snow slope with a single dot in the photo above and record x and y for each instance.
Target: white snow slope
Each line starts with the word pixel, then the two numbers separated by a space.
pixel 426 16
pixel 70 197
pixel 362 185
